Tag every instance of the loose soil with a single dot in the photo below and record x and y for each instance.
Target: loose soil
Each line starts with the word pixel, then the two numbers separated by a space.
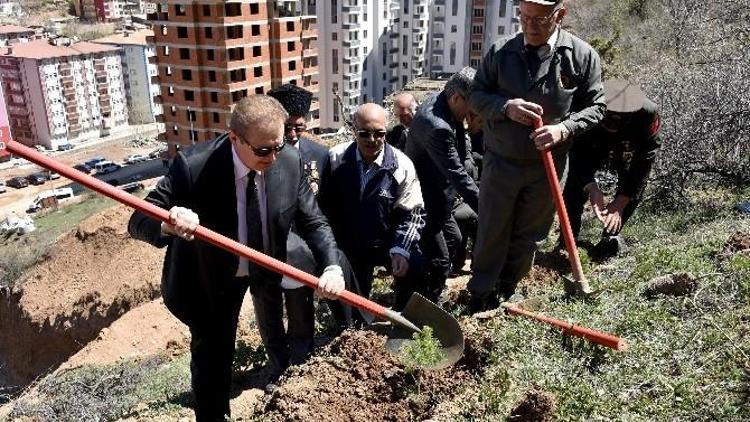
pixel 92 276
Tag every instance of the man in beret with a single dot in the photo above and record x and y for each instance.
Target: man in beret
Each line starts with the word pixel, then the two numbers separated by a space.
pixel 626 143
pixel 315 160
pixel 543 74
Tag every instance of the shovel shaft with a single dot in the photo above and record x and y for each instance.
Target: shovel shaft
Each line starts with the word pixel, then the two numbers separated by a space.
pixel 562 213
pixel 598 337
pixel 201 232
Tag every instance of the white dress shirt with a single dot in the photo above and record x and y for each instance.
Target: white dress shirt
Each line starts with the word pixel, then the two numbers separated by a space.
pixel 241 173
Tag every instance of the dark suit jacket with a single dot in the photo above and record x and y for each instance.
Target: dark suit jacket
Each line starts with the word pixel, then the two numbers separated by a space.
pixel 432 146
pixel 202 179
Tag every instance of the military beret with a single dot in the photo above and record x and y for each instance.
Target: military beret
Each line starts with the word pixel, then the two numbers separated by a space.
pixel 623 96
pixel 295 100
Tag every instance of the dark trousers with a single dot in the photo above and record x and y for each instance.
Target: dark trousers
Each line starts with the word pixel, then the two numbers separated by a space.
pixel 461 227
pixel 364 263
pixel 434 246
pixel 212 354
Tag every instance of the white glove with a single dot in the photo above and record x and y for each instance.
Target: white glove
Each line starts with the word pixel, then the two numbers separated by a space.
pixel 331 282
pixel 183 223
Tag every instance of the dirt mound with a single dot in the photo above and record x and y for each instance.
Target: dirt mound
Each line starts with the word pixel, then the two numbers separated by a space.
pixel 355 378
pixel 534 406
pixel 737 243
pixel 92 276
pixel 679 284
pixel 549 267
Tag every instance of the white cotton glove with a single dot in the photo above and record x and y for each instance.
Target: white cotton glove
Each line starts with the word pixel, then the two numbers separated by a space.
pixel 331 283
pixel 183 223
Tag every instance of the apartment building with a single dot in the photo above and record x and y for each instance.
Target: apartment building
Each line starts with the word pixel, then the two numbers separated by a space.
pixel 59 92
pixel 10 34
pixel 210 55
pixel 108 10
pixel 138 73
pixel 373 49
pixel 462 31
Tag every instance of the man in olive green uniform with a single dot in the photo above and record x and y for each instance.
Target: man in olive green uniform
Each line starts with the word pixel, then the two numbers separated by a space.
pixel 626 143
pixel 543 73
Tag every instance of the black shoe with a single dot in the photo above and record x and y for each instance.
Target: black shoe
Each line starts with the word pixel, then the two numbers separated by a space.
pixel 481 303
pixel 610 246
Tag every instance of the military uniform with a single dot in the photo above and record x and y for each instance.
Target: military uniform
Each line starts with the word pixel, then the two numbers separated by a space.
pixel 515 204
pixel 628 150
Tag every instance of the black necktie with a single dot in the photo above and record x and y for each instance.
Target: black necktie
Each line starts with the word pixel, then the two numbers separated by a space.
pixel 533 59
pixel 254 224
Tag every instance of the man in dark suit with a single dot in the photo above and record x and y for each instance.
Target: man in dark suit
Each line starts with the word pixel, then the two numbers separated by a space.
pixel 433 147
pixel 315 160
pixel 246 186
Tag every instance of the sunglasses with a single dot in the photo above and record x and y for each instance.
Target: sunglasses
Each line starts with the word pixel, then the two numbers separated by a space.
pixel 296 128
pixel 366 134
pixel 262 151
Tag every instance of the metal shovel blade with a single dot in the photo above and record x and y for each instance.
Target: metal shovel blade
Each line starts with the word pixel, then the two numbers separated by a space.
pixel 421 312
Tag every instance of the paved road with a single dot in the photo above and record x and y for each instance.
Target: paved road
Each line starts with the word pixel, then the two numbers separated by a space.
pixel 132 173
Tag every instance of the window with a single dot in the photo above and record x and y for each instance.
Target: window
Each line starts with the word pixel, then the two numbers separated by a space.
pixel 477 29
pixel 234 32
pixel 453 54
pixel 236 53
pixel 180 10
pixel 212 76
pixel 258 71
pixel 190 115
pixel 455 8
pixel 454 29
pixel 478 13
pixel 254 9
pixel 500 30
pixel 259 90
pixel 187 75
pixel 182 32
pixel 474 63
pixel 217 119
pixel 209 32
pixel 293 65
pixel 334 12
pixel 214 97
pixel 405 48
pixel 189 95
pixel 255 30
pixel 503 7
pixel 237 75
pixel 206 10
pixel 290 26
pixel 335 61
pixel 334 36
pixel 184 54
pixel 257 51
pixel 290 46
pixel 173 110
pixel 209 54
pixel 232 9
pixel 170 91
pixel 476 46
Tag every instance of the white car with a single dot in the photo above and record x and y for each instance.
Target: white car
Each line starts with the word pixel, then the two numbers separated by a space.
pixel 135 158
pixel 104 167
pixel 3 188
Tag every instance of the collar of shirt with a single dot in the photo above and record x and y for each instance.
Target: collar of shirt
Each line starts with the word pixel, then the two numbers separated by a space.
pixel 240 170
pixel 378 160
pixel 546 49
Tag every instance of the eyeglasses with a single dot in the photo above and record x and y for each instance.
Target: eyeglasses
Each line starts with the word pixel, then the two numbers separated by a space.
pixel 262 151
pixel 537 20
pixel 366 134
pixel 296 128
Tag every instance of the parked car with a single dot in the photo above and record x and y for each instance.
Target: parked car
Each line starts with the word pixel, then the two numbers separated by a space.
pixel 157 153
pixel 37 178
pixel 82 168
pixel 104 167
pixel 132 187
pixel 94 161
pixel 3 189
pixel 135 158
pixel 64 147
pixel 52 175
pixel 17 182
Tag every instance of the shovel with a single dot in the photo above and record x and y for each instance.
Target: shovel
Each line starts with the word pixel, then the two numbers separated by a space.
pixel 419 312
pixel 577 285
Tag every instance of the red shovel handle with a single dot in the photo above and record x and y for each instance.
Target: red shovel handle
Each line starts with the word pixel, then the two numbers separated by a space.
pixel 202 233
pixel 562 213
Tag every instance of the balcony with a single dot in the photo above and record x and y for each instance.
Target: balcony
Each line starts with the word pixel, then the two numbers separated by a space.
pixel 309 53
pixel 351 8
pixel 352 77
pixel 159 118
pixel 158 99
pixel 350 25
pixel 438 52
pixel 352 43
pixel 152 60
pixel 353 59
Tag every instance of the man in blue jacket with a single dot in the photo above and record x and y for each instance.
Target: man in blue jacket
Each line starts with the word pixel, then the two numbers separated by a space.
pixel 373 201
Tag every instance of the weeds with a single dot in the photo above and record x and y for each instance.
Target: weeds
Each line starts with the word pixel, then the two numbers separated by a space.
pixel 247 357
pixel 423 351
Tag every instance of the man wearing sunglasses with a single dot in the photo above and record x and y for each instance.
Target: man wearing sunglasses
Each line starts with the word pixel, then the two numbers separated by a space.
pixel 626 143
pixel 543 74
pixel 373 200
pixel 433 145
pixel 246 186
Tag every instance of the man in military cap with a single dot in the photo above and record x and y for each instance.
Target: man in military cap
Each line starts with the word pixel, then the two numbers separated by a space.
pixel 315 159
pixel 543 74
pixel 626 143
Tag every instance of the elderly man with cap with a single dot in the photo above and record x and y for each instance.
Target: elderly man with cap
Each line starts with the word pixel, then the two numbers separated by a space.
pixel 404 108
pixel 543 74
pixel 433 146
pixel 315 160
pixel 626 142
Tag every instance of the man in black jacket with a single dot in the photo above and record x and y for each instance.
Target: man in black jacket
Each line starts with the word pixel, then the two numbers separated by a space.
pixel 249 188
pixel 432 146
pixel 626 142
